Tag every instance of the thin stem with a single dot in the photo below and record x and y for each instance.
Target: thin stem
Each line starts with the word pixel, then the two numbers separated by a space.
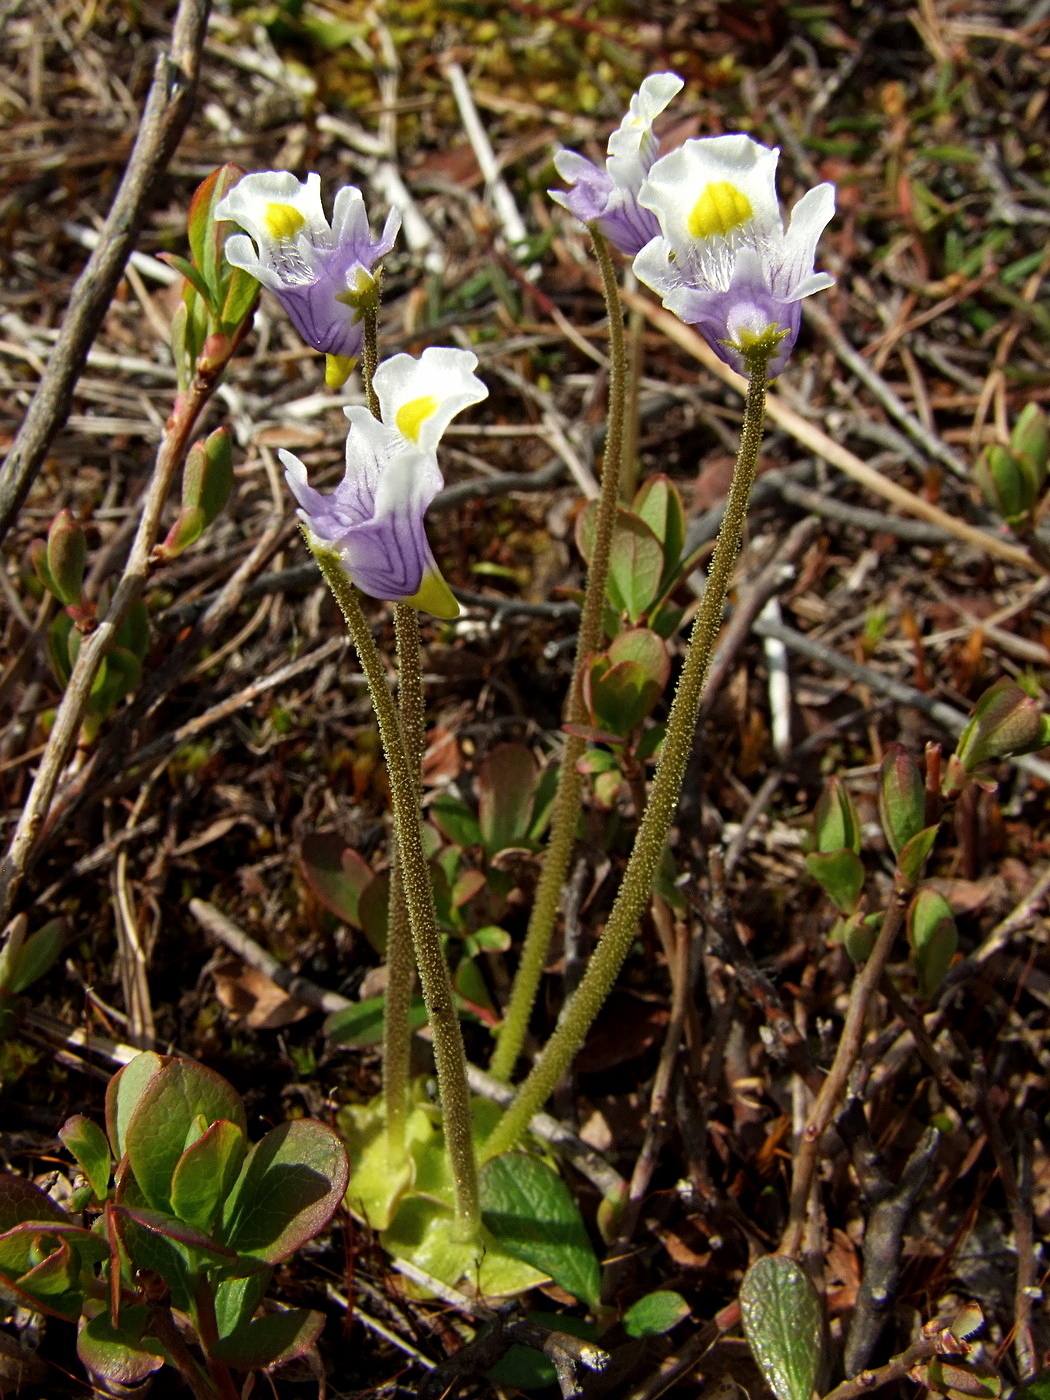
pixel 400 960
pixel 566 806
pixel 864 985
pixel 370 357
pixel 449 1054
pixel 580 1011
pixel 170 456
pixel 397 1034
pixel 167 110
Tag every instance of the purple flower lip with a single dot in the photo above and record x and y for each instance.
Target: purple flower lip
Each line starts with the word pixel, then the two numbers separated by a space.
pixel 373 520
pixel 722 260
pixel 609 198
pixel 321 273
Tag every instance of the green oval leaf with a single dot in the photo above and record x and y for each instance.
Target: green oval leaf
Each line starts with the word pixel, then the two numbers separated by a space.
pixel 205 1173
pixel 783 1324
pixel 166 1119
pixel 271 1340
pixel 636 562
pixel 289 1188
pixel 363 1023
pixel 123 1093
pixel 87 1142
pixel 660 506
pixel 841 873
pixel 119 1353
pixel 532 1213
pixel 655 1314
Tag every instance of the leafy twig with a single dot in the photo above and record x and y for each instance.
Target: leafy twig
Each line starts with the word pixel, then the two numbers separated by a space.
pixel 71 711
pixel 164 118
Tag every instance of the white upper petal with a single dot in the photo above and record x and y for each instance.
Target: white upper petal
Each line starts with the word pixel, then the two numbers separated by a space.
pixel 632 146
pixel 250 200
pixel 646 105
pixel 654 267
pixel 809 218
pixel 729 165
pixel 349 219
pixel 420 397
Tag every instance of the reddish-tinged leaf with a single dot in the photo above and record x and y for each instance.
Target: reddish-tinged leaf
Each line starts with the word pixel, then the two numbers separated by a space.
pixel 120 1354
pixel 160 1128
pixel 271 1340
pixel 506 787
pixel 290 1187
pixel 336 874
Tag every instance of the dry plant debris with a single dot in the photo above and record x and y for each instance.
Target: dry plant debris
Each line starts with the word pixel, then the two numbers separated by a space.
pixel 890 609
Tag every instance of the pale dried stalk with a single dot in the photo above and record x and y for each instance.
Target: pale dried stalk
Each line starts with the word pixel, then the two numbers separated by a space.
pixel 71 711
pixel 164 119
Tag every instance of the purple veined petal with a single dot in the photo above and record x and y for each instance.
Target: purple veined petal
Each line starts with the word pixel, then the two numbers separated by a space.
pixel 420 397
pixel 594 198
pixel 324 322
pixel 392 552
pixel 379 537
pixel 626 225
pixel 810 216
pixel 591 188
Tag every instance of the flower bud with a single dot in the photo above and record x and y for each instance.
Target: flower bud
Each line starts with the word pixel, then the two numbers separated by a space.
pixel 933 937
pixel 1031 439
pixel 902 798
pixel 1009 482
pixel 206 481
pixel 835 821
pixel 65 558
pixel 1006 722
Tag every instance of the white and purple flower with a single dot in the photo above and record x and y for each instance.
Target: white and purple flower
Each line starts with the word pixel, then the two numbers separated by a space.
pixel 609 197
pixel 373 520
pixel 722 260
pixel 321 274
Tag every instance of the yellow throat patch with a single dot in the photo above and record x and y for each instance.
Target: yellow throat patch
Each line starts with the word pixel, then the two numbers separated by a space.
pixel 720 209
pixel 412 415
pixel 283 221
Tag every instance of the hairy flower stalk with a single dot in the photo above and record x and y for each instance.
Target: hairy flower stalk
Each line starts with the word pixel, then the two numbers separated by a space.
pixel 449 1054
pixel 369 533
pixel 566 806
pixel 324 275
pixel 400 957
pixel 579 1012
